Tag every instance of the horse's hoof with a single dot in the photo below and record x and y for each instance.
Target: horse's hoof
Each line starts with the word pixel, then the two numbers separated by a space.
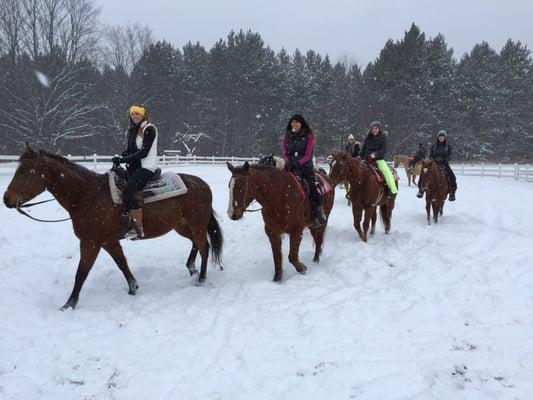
pixel 302 269
pixel 316 259
pixel 277 278
pixel 193 271
pixel 68 304
pixel 200 281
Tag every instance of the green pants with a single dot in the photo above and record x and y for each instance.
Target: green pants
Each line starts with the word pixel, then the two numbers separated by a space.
pixel 385 170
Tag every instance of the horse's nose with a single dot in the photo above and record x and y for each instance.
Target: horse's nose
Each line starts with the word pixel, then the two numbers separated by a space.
pixel 9 203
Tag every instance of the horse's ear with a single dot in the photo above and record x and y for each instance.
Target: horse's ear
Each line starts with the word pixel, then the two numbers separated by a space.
pixel 29 149
pixel 245 167
pixel 230 167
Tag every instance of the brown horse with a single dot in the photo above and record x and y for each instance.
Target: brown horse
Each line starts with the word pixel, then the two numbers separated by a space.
pixel 96 219
pixel 366 193
pixel 435 185
pixel 282 208
pixel 398 159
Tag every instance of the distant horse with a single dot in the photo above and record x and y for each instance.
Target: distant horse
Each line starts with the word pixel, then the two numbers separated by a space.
pixel 96 219
pixel 366 193
pixel 436 186
pixel 411 173
pixel 283 209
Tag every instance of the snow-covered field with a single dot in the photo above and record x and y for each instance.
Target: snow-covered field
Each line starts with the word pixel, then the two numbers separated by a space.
pixel 427 312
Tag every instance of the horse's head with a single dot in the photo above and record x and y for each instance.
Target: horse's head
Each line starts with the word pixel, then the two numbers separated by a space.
pixel 240 193
pixel 339 167
pixel 29 180
pixel 396 161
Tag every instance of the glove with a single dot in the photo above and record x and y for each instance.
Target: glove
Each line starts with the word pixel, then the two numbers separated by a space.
pixel 372 156
pixel 117 160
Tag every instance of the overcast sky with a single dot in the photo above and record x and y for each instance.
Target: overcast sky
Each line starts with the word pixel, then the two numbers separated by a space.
pixel 357 28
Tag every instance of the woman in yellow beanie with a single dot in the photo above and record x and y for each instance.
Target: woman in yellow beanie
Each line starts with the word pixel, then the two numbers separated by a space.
pixel 140 157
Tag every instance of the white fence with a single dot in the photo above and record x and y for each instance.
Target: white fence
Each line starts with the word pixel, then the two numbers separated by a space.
pixel 523 172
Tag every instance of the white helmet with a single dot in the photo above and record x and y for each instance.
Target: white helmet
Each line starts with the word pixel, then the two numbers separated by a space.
pixel 350 136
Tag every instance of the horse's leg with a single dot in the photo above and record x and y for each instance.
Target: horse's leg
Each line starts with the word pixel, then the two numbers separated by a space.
pixel 199 239
pixel 275 242
pixel 116 253
pixel 428 208
pixel 436 209
pixel 88 253
pixel 370 211
pixel 184 231
pixel 357 214
pixel 409 176
pixel 442 208
pixel 296 239
pixel 373 225
pixel 318 237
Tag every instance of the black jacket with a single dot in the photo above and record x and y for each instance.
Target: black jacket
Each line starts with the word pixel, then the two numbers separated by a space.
pixel 441 152
pixel 133 155
pixel 420 154
pixel 375 144
pixel 353 149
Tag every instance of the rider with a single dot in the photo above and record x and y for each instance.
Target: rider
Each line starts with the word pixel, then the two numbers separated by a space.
pixel 352 147
pixel 141 159
pixel 298 145
pixel 441 152
pixel 420 154
pixel 374 149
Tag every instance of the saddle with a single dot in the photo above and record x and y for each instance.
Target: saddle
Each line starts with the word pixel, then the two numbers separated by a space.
pixel 159 187
pixel 302 187
pixel 379 176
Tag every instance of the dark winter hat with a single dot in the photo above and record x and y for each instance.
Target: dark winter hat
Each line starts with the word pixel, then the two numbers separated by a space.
pixel 375 124
pixel 442 132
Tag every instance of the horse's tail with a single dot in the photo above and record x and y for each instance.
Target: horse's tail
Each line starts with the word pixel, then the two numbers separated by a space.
pixel 215 239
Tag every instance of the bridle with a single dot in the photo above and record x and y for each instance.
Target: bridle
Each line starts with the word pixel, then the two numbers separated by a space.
pixel 19 205
pixel 246 190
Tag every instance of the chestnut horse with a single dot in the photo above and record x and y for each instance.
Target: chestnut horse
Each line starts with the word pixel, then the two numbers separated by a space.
pixel 366 193
pixel 282 208
pixel 410 173
pixel 96 219
pixel 435 185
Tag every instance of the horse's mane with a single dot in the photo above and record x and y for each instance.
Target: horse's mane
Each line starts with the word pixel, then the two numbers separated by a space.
pixel 80 169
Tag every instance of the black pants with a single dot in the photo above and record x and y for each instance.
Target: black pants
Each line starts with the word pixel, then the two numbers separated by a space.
pixel 449 173
pixel 308 174
pixel 136 181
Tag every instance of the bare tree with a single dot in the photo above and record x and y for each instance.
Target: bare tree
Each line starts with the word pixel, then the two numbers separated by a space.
pixel 31 39
pixel 59 109
pixel 79 33
pixel 125 44
pixel 11 25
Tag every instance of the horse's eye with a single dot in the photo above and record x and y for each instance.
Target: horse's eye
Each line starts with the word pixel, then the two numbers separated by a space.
pixel 235 204
pixel 32 171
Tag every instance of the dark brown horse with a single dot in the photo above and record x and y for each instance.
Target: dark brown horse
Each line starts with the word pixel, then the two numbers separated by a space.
pixel 436 186
pixel 282 208
pixel 96 219
pixel 366 193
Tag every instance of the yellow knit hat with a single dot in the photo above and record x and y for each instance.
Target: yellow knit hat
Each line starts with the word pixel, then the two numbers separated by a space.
pixel 138 110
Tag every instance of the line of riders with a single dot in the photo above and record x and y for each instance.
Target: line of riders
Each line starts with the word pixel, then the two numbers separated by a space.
pixel 298 145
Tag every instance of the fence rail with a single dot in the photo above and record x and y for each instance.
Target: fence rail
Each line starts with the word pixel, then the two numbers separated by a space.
pixel 523 172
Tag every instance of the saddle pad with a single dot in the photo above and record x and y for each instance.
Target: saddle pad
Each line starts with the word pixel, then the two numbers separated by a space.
pixel 168 185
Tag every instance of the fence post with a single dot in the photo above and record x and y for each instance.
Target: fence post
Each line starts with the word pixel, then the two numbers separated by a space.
pixel 95 161
pixel 515 172
pixel 462 169
pixel 164 159
pixel 527 172
pixel 482 170
pixel 499 170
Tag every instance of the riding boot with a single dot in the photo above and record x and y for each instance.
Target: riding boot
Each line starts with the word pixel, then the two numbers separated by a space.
pixel 388 192
pixel 125 225
pixel 137 219
pixel 320 217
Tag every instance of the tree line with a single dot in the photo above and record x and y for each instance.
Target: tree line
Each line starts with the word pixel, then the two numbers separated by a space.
pixel 67 81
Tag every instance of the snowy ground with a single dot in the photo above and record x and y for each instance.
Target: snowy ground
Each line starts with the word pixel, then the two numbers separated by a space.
pixel 427 312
